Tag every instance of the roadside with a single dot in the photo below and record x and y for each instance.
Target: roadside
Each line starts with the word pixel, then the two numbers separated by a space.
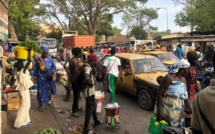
pixel 133 120
pixel 48 118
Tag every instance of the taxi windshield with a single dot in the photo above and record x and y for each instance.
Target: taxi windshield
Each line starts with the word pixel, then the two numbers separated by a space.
pixel 167 56
pixel 148 65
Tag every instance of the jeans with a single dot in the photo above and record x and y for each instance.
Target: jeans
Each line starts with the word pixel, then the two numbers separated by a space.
pixel 90 110
pixel 76 96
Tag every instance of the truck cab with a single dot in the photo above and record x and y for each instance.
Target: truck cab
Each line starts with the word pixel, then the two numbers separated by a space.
pixel 50 43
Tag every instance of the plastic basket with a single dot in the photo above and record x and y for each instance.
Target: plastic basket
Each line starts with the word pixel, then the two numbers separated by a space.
pixel 22 53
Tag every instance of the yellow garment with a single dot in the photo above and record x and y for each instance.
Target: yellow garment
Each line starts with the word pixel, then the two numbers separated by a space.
pixel 207 105
pixel 23 82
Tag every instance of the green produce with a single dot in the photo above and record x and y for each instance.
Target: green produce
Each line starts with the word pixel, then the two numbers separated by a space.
pixel 32 44
pixel 48 131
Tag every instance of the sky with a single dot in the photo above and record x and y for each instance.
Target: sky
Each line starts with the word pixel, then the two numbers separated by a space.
pixel 160 22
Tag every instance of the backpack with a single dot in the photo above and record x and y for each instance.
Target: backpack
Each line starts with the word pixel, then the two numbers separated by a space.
pixel 80 79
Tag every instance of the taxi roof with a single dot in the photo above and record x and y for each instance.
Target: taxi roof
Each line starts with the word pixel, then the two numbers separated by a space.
pixel 132 56
pixel 156 52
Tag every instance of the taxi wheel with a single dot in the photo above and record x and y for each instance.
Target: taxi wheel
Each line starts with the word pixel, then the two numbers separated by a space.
pixel 145 100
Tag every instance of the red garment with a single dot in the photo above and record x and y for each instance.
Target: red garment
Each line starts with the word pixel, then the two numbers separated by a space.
pixel 192 84
pixel 105 50
pixel 92 56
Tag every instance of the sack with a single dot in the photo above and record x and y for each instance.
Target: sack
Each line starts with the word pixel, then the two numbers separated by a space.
pixel 42 65
pixel 156 127
pixel 173 130
pixel 80 78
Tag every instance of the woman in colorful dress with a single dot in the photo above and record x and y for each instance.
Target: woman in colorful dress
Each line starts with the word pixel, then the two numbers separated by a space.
pixel 45 83
pixel 173 95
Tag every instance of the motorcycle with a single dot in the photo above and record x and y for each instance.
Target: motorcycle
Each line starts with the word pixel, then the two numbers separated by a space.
pixel 207 75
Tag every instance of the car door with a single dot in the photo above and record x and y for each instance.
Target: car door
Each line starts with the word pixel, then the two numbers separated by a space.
pixel 127 78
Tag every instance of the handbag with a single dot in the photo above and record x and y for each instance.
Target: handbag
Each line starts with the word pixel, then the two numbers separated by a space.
pixel 173 130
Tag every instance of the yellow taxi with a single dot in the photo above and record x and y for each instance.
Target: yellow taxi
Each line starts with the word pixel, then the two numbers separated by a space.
pixel 167 58
pixel 139 73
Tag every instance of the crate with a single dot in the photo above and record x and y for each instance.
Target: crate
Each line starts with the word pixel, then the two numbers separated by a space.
pixel 13 97
pixel 13 106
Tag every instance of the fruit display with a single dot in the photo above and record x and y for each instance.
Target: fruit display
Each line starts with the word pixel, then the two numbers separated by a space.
pixel 48 131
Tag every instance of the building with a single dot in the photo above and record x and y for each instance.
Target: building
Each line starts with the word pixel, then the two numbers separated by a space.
pixel 4 20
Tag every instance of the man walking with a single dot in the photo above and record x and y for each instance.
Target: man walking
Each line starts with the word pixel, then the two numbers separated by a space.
pixel 74 69
pixel 89 94
pixel 113 67
pixel 179 52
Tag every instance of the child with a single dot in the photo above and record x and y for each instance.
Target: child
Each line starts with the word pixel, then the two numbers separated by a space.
pixel 23 83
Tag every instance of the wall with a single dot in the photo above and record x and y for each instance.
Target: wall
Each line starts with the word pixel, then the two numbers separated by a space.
pixel 4 20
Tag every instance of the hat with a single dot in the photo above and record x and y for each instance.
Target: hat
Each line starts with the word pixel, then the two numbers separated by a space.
pixel 92 57
pixel 45 49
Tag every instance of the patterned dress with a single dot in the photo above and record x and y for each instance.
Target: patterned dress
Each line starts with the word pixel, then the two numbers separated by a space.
pixel 173 104
pixel 45 88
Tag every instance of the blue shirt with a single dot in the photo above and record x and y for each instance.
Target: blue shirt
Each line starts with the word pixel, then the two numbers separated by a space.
pixel 179 52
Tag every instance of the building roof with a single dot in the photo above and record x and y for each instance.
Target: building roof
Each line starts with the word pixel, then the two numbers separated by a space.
pixel 121 39
pixel 133 56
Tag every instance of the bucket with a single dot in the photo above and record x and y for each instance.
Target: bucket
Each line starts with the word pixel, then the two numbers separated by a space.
pixel 22 53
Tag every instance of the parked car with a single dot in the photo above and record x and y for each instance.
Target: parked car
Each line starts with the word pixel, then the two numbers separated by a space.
pixel 139 73
pixel 167 58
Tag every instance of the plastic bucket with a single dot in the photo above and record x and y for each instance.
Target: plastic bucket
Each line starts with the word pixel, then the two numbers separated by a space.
pixel 22 53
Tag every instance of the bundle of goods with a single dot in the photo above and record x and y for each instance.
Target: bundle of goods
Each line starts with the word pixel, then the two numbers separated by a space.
pixel 99 97
pixel 112 114
pixel 48 131
pixel 156 127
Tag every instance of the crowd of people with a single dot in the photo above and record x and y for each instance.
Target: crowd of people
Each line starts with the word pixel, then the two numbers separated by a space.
pixel 179 95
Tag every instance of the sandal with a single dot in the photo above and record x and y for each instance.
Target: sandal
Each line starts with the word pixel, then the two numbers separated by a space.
pixel 98 123
pixel 40 109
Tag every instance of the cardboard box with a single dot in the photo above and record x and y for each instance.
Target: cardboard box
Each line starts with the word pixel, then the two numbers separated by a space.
pixel 13 97
pixel 13 106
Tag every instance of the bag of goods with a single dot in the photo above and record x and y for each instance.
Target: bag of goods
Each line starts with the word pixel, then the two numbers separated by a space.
pixel 156 127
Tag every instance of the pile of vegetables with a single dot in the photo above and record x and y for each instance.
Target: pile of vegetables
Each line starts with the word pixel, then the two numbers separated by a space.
pixel 32 44
pixel 48 131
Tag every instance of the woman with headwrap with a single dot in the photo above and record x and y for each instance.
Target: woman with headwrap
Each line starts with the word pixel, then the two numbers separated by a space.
pixel 43 70
pixel 171 95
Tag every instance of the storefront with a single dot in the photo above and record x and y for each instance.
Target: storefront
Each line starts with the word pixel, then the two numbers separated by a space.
pixel 4 20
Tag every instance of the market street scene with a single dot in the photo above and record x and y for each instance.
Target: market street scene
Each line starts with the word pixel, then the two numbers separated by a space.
pixel 103 67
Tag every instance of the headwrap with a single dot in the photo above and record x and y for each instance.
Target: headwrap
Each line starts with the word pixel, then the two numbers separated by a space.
pixel 45 49
pixel 179 64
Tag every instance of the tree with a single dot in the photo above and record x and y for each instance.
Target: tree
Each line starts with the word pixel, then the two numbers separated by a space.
pixel 92 11
pixel 116 31
pixel 198 14
pixel 22 18
pixel 138 32
pixel 55 33
pixel 141 18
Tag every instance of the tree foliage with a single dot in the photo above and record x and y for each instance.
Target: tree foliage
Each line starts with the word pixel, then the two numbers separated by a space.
pixel 55 33
pixel 91 11
pixel 197 14
pixel 22 18
pixel 138 32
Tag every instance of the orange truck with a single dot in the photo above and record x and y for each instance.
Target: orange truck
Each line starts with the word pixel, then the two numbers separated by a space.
pixel 79 41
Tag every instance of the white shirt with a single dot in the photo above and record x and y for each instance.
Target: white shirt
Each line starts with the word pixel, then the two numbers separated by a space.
pixel 91 91
pixel 114 69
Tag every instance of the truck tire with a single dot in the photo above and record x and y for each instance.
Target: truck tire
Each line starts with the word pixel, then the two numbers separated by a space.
pixel 145 100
